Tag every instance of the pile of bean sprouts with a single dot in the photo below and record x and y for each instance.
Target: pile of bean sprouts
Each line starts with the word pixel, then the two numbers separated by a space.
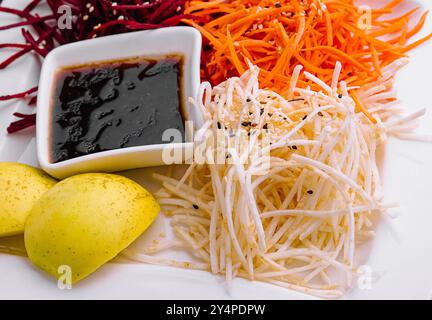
pixel 298 222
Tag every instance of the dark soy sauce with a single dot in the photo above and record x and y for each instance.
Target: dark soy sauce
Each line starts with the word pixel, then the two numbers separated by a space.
pixel 115 105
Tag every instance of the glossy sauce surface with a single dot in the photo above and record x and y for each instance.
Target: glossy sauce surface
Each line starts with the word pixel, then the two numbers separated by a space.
pixel 115 105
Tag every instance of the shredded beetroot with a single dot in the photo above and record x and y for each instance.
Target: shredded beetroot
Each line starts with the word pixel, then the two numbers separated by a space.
pixel 32 101
pixel 91 18
pixel 19 95
pixel 27 121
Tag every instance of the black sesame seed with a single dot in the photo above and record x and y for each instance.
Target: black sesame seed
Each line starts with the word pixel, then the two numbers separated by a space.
pixel 340 96
pixel 320 114
pixel 261 111
pixel 278 5
pixel 305 117
pixel 246 123
pixel 219 125
pixel 294 147
pixel 270 114
pixel 265 127
pixel 294 100
pixel 195 207
pixel 248 100
pixel 310 191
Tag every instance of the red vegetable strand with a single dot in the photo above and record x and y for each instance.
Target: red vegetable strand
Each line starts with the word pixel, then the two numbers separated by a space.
pixel 19 95
pixel 27 121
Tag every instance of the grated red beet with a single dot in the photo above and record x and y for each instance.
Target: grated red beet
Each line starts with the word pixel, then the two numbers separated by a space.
pixel 92 18
pixel 27 121
pixel 19 95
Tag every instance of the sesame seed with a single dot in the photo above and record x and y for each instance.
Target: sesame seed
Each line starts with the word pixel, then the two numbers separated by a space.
pixel 295 100
pixel 310 191
pixel 195 206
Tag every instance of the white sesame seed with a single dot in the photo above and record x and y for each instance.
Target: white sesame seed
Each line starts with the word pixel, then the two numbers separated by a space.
pixel 88 5
pixel 85 18
pixel 91 9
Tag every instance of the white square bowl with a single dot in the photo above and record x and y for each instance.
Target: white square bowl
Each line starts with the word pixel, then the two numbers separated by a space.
pixel 185 41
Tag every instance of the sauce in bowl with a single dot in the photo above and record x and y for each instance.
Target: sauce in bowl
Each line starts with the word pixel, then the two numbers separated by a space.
pixel 113 105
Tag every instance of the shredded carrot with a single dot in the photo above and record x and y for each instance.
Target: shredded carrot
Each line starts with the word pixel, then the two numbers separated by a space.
pixel 361 107
pixel 234 55
pixel 278 35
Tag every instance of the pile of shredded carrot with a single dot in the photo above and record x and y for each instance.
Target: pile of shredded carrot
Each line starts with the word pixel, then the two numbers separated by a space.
pixel 278 35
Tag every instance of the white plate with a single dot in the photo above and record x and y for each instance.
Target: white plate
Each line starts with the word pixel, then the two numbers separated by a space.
pixel 400 256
